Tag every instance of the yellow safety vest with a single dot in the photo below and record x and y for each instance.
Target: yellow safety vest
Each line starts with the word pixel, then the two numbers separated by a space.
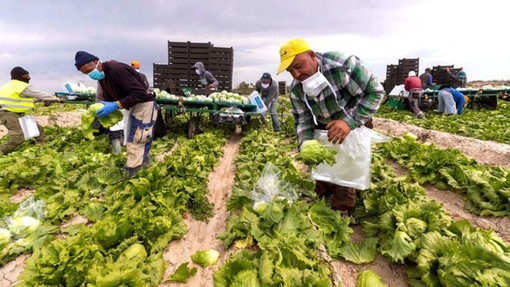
pixel 10 99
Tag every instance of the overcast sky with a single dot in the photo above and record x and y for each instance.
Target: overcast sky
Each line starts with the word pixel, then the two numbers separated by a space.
pixel 43 36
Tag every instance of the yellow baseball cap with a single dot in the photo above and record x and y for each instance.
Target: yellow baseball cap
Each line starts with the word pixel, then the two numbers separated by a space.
pixel 289 50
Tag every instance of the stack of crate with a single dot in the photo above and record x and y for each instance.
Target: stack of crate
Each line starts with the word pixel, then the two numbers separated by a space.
pixel 391 77
pixel 440 76
pixel 183 55
pixel 282 87
pixel 405 66
pixel 397 74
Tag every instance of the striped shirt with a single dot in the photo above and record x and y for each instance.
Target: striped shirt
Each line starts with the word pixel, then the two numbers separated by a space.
pixel 358 90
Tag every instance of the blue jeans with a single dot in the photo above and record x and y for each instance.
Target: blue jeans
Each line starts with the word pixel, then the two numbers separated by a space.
pixel 271 109
pixel 445 104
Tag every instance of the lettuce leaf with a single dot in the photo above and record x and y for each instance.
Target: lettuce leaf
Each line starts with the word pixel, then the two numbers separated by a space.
pixel 361 252
pixel 369 279
pixel 181 274
pixel 87 119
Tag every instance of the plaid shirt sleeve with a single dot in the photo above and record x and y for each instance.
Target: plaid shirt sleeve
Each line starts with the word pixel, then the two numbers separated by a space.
pixel 303 118
pixel 362 83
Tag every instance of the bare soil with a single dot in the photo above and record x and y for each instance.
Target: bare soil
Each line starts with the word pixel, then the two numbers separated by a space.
pixel 202 235
pixel 485 152
pixel 21 195
pixel 454 204
pixel 68 119
pixel 9 272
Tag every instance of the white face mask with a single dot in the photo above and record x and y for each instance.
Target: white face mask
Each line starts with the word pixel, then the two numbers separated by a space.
pixel 314 85
pixel 265 86
pixel 197 71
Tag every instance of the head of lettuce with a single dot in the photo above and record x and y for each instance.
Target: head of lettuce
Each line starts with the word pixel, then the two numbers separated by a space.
pixel 87 119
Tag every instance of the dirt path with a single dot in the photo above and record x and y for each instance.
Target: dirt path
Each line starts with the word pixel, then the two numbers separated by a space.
pixel 453 203
pixel 391 274
pixel 485 152
pixel 9 272
pixel 68 119
pixel 202 235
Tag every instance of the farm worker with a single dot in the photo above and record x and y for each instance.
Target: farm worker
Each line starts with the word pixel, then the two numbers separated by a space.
pixel 136 66
pixel 457 81
pixel 206 78
pixel 412 84
pixel 123 88
pixel 426 79
pixel 448 100
pixel 461 75
pixel 330 91
pixel 268 90
pixel 17 98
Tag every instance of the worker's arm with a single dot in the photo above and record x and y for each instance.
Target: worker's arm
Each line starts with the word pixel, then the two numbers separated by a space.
pixel 459 101
pixel 430 80
pixel 303 119
pixel 30 92
pixel 365 85
pixel 211 79
pixel 272 93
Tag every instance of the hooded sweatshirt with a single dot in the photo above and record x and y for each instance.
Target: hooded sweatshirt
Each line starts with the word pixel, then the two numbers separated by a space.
pixel 206 77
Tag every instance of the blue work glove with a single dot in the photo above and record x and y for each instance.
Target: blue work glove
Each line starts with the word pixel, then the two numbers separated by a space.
pixel 109 107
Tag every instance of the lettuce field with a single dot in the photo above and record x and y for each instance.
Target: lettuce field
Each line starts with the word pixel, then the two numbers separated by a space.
pixel 431 217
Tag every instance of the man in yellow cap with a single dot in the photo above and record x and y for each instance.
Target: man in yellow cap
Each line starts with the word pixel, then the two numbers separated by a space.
pixel 330 91
pixel 136 66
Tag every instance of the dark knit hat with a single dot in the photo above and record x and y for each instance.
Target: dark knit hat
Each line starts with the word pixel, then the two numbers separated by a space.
pixel 17 72
pixel 266 76
pixel 81 58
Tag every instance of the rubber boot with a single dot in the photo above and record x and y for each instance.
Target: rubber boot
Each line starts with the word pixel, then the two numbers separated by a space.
pixel 116 146
pixel 323 188
pixel 147 162
pixel 343 198
pixel 133 171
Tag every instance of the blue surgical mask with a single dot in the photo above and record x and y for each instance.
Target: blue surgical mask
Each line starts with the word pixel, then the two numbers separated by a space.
pixel 95 74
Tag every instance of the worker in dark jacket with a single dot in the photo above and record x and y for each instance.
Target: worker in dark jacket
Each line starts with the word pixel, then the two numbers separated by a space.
pixel 123 88
pixel 459 80
pixel 268 90
pixel 426 79
pixel 207 80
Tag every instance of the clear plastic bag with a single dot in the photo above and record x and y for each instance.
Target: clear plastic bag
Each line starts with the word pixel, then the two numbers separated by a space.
pixel 270 187
pixel 353 158
pixel 31 207
pixel 27 218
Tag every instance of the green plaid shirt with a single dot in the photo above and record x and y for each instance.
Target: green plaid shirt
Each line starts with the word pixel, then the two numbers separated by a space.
pixel 358 90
